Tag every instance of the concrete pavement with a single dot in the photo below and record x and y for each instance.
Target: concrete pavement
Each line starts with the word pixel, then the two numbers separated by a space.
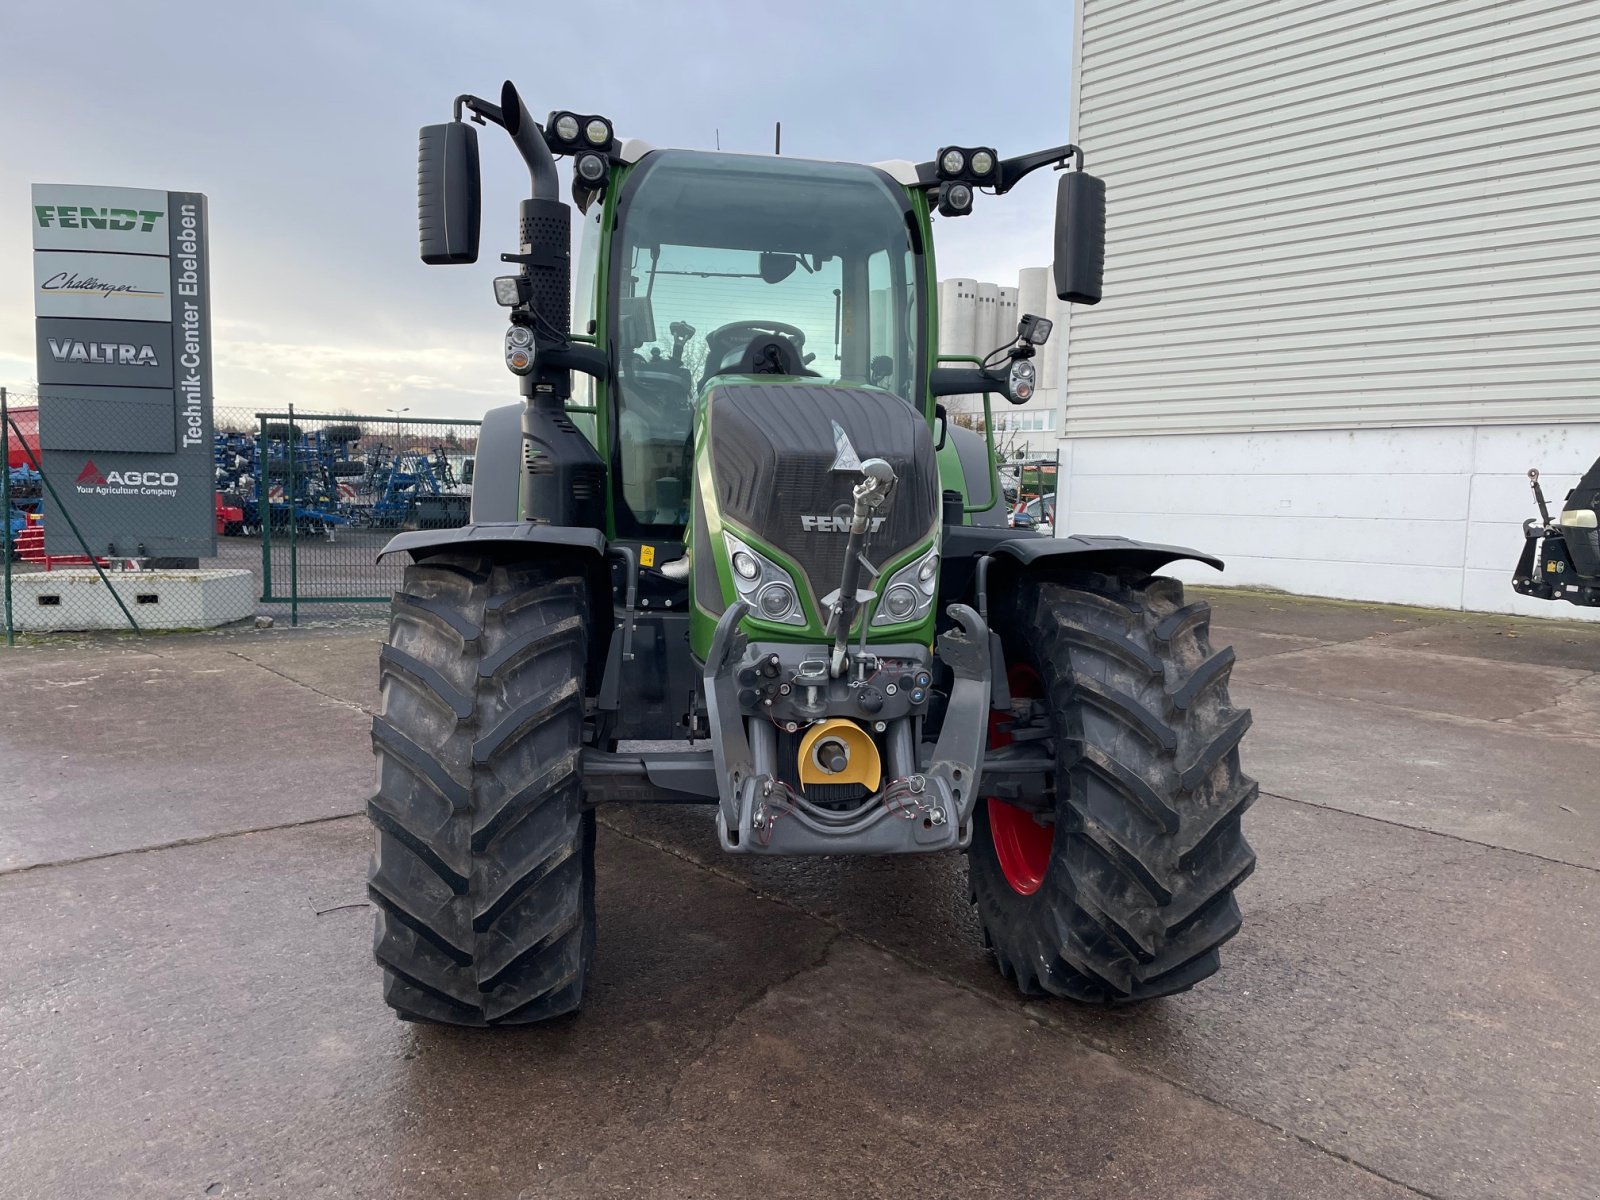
pixel 188 1005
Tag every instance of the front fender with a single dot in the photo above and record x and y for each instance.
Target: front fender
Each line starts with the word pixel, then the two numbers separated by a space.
pixel 1017 551
pixel 522 537
pixel 1094 552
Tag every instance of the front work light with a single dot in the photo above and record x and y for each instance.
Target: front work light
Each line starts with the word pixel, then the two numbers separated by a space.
pixel 955 199
pixel 508 291
pixel 597 131
pixel 591 168
pixel 1034 330
pixel 982 163
pixel 566 127
pixel 952 162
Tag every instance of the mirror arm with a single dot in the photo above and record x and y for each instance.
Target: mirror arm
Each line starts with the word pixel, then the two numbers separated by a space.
pixel 1013 170
pixel 525 132
pixel 575 357
pixel 964 381
pixel 482 110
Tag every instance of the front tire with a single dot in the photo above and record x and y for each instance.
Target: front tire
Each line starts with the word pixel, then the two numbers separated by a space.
pixel 483 878
pixel 1124 890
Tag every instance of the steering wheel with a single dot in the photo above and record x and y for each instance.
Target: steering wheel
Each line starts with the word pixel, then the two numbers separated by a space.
pixel 735 335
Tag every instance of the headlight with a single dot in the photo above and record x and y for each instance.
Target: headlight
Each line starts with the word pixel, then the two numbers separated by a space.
pixel 909 593
pixel 952 162
pixel 567 127
pixel 591 168
pixel 900 601
pixel 519 350
pixel 1019 388
pixel 766 587
pixel 982 162
pixel 597 131
pixel 776 600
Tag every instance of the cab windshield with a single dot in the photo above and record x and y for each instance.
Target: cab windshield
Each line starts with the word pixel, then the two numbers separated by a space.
pixel 718 256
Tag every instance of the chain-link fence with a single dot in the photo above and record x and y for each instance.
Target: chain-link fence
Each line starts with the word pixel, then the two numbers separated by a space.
pixel 266 513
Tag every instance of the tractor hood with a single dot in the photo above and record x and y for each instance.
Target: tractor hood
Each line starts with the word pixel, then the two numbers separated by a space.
pixel 784 458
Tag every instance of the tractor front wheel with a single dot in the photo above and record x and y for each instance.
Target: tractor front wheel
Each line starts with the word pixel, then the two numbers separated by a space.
pixel 483 878
pixel 1122 888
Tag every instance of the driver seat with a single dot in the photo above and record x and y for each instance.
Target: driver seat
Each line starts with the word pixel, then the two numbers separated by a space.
pixel 764 354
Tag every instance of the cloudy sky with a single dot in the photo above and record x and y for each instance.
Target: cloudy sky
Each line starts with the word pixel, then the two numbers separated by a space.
pixel 299 121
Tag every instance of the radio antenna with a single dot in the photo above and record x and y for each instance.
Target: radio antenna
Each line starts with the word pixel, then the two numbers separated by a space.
pixel 777 137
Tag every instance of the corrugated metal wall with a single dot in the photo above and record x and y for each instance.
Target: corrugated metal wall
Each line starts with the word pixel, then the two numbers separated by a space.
pixel 1339 215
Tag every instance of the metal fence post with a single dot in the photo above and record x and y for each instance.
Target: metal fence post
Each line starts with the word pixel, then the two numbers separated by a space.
pixel 9 541
pixel 292 492
pixel 264 506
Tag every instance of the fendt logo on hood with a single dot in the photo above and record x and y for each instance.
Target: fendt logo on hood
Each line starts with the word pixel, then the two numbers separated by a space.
pixel 812 524
pixel 103 354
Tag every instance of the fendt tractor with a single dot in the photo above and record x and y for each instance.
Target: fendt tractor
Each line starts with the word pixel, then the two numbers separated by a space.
pixel 728 550
pixel 1560 559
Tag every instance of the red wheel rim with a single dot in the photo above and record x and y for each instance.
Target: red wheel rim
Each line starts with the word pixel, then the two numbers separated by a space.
pixel 1021 844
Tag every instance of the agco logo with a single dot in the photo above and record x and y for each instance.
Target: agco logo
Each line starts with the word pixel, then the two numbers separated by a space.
pixel 91 477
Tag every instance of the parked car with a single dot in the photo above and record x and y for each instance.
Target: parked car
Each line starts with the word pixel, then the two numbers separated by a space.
pixel 1037 514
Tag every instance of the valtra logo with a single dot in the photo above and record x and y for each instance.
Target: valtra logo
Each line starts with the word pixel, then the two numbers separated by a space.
pixel 90 476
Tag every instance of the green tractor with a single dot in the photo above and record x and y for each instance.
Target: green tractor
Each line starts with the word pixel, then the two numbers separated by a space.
pixel 728 551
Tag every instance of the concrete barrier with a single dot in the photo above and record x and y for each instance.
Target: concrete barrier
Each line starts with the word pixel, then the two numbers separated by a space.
pixel 77 599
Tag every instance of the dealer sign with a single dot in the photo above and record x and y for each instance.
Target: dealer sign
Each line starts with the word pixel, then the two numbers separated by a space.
pixel 122 301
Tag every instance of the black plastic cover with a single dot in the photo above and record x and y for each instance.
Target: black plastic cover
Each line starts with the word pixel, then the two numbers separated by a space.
pixel 1080 237
pixel 449 195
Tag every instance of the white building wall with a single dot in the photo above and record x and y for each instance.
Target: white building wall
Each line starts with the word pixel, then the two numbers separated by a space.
pixel 1351 288
pixel 1406 516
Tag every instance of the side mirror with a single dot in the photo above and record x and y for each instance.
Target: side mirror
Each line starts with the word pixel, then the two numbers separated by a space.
pixel 775 267
pixel 1080 237
pixel 636 322
pixel 449 193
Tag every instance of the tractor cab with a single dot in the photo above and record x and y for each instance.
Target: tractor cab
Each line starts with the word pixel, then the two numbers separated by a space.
pixel 725 266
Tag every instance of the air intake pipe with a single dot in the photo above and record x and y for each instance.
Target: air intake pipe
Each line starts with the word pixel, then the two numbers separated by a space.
pixel 525 132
